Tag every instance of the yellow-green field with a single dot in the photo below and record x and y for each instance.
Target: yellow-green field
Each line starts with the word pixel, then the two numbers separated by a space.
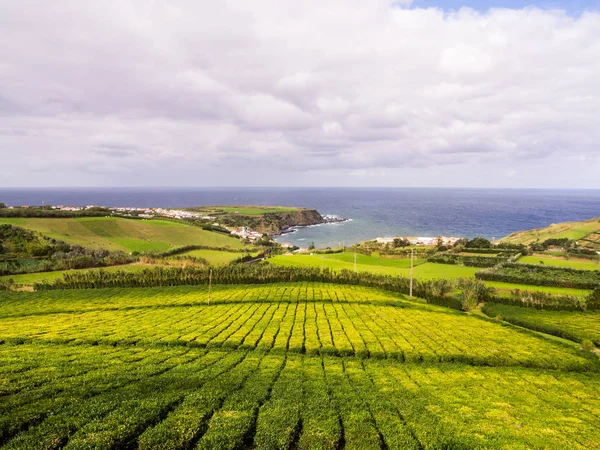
pixel 283 366
pixel 113 233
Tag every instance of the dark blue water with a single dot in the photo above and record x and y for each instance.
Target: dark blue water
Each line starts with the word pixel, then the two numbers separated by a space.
pixel 374 211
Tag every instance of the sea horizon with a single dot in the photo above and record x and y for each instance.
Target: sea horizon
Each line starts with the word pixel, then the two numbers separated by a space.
pixel 375 211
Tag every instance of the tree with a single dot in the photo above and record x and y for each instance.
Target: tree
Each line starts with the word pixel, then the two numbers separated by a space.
pixel 2 205
pixel 401 242
pixel 461 242
pixel 478 242
pixel 312 245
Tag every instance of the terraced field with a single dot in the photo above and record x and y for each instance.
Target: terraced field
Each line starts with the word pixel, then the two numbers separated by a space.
pixel 304 365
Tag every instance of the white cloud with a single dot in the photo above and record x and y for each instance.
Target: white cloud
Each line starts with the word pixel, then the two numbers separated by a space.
pixel 164 92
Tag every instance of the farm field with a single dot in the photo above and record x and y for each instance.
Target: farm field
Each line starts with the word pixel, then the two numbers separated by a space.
pixel 573 263
pixel 576 325
pixel 215 257
pixel 385 266
pixel 506 288
pixel 287 365
pixel 113 233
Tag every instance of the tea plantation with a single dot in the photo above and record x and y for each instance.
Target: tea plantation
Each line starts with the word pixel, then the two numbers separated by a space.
pixel 284 365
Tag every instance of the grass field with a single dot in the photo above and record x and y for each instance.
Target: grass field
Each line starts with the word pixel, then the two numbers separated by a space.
pixel 215 257
pixel 385 266
pixel 579 325
pixel 305 366
pixel 573 263
pixel 505 288
pixel 113 233
pixel 247 210
pixel 570 230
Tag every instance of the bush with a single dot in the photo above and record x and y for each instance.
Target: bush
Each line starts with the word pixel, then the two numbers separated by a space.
pixel 587 345
pixel 542 276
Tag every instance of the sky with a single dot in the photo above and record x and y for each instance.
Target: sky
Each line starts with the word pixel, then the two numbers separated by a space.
pixel 284 93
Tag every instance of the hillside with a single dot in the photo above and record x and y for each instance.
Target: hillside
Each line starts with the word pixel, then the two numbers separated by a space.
pixel 263 219
pixel 587 233
pixel 112 233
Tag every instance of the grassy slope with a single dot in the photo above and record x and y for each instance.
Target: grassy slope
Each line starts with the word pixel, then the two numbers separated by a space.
pixel 580 264
pixel 571 230
pixel 114 233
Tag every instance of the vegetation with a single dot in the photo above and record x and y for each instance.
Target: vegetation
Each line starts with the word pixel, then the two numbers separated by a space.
pixel 24 251
pixel 217 257
pixel 548 260
pixel 576 325
pixel 289 365
pixel 118 234
pixel 263 219
pixel 467 260
pixel 240 274
pixel 542 276
pixel 573 231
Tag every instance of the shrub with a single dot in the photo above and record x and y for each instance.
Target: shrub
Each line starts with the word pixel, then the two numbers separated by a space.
pixel 587 345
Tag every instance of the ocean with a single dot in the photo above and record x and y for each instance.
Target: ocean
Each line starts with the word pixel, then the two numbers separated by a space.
pixel 374 212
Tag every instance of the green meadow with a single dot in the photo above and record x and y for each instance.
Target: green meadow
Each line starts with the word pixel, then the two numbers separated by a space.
pixel 385 266
pixel 113 233
pixel 573 263
pixel 216 257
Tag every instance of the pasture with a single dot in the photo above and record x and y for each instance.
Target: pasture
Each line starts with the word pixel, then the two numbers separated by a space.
pixel 279 366
pixel 573 263
pixel 216 257
pixel 385 266
pixel 114 233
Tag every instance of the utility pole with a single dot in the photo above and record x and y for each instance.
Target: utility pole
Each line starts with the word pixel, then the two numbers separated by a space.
pixel 209 285
pixel 355 263
pixel 412 253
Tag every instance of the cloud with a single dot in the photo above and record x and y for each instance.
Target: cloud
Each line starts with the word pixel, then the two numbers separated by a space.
pixel 198 92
